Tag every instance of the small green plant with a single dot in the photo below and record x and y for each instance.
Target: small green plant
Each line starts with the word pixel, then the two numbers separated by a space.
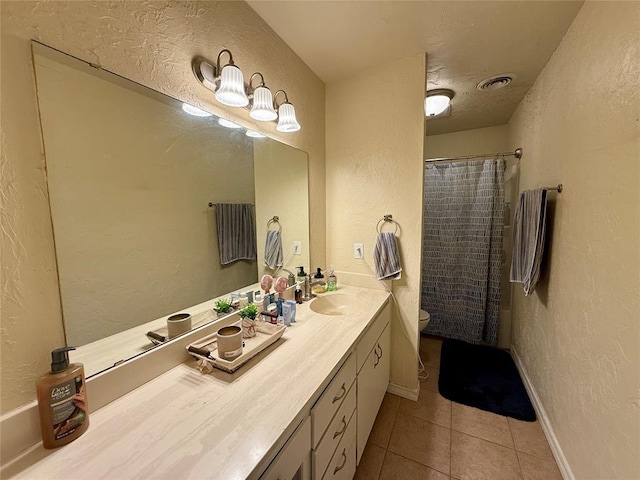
pixel 250 311
pixel 222 305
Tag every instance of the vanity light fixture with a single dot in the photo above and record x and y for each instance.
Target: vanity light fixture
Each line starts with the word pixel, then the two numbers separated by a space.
pixel 226 123
pixel 286 114
pixel 437 101
pixel 262 105
pixel 198 112
pixel 229 88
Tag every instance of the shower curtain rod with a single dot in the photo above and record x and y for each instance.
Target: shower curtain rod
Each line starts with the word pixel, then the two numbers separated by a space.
pixel 517 154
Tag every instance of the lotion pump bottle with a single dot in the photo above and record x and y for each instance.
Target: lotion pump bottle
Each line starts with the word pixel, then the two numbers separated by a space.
pixel 62 401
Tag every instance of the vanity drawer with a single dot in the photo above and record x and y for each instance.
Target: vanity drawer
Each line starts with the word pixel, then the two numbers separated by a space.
pixel 368 341
pixel 343 463
pixel 342 423
pixel 330 401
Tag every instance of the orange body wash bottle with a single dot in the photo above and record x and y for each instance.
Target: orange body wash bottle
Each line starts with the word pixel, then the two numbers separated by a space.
pixel 62 401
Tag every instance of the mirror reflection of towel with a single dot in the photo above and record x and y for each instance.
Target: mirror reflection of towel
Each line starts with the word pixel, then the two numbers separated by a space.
pixel 273 249
pixel 386 257
pixel 236 233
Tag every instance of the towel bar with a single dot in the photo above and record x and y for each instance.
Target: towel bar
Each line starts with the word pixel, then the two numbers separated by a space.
pixel 386 218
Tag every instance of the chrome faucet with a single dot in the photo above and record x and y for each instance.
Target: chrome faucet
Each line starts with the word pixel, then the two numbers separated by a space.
pixel 291 280
pixel 308 283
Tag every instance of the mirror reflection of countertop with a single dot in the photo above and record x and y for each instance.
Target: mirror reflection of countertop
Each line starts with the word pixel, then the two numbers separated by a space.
pixel 110 351
pixel 185 424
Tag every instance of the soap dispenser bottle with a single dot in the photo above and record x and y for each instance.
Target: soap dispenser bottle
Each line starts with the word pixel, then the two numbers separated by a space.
pixel 319 284
pixel 62 401
pixel 332 281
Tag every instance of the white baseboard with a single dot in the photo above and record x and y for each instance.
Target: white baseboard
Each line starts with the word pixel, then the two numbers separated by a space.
pixel 408 393
pixel 561 460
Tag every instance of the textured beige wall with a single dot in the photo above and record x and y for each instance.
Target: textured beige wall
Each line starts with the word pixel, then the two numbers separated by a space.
pixel 375 129
pixel 578 335
pixel 149 42
pixel 465 142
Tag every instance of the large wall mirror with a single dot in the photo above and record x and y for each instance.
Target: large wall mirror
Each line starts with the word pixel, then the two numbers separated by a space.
pixel 131 175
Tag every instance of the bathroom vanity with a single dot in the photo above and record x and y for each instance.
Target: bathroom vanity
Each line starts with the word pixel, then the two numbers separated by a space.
pixel 301 409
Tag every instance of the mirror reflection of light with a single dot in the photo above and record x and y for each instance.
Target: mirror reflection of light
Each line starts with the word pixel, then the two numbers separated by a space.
pixel 254 134
pixel 198 112
pixel 228 124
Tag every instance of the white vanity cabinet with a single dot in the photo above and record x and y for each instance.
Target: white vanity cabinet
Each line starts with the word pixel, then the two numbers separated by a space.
pixel 374 361
pixel 293 462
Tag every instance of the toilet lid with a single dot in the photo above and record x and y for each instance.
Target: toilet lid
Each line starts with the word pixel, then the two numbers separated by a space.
pixel 424 315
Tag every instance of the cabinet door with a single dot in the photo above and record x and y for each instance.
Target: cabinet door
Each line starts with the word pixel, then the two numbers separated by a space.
pixel 373 380
pixel 294 460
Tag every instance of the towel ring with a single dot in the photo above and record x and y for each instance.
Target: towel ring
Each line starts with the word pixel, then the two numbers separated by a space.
pixel 276 220
pixel 383 220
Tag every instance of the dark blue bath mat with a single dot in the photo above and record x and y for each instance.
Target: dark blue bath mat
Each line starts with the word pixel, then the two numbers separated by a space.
pixel 484 378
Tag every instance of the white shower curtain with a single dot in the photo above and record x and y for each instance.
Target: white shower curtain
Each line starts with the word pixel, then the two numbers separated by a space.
pixel 462 249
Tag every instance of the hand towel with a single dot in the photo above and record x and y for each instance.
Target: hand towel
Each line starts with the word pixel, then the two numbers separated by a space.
pixel 236 232
pixel 529 227
pixel 386 257
pixel 273 249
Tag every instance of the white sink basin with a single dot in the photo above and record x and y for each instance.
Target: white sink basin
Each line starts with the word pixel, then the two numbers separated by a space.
pixel 337 304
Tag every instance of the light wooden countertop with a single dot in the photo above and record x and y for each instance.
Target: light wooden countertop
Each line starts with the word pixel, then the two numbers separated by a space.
pixel 185 424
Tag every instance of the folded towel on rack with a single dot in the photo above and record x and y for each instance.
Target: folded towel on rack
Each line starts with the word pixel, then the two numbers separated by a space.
pixel 386 257
pixel 236 232
pixel 273 249
pixel 529 227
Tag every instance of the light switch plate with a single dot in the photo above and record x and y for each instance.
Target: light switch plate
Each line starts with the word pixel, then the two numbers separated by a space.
pixel 358 250
pixel 297 247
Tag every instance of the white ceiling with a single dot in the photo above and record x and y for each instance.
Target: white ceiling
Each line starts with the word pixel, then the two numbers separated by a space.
pixel 465 42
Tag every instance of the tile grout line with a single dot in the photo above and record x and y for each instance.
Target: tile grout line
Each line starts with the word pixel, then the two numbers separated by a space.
pixel 386 450
pixel 513 439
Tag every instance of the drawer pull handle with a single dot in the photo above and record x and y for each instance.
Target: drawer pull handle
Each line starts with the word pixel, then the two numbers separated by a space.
pixel 380 350
pixel 344 462
pixel 344 427
pixel 339 397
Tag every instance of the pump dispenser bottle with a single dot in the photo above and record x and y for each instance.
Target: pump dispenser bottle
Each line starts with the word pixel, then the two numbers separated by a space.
pixel 62 401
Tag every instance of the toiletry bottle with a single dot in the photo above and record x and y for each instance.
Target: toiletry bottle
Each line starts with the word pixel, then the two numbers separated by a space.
pixel 243 300
pixel 62 401
pixel 332 282
pixel 301 275
pixel 298 295
pixel 318 287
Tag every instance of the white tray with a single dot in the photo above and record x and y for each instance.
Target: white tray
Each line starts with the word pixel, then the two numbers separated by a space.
pixel 266 334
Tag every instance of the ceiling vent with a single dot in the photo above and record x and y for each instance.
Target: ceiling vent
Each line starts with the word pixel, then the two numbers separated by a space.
pixel 497 81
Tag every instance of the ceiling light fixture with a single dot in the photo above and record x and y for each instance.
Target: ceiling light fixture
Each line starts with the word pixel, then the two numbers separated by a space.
pixel 437 101
pixel 229 88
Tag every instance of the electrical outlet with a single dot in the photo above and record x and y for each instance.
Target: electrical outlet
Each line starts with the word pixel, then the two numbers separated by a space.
pixel 297 247
pixel 358 250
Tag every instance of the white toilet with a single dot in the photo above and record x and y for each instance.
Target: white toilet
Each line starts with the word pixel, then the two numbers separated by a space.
pixel 424 319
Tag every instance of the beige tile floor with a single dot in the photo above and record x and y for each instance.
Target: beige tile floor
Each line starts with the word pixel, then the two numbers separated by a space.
pixel 436 439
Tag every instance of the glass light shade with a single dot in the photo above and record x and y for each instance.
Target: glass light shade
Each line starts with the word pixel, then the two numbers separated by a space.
pixel 231 91
pixel 262 108
pixel 198 112
pixel 287 118
pixel 254 134
pixel 435 105
pixel 226 123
